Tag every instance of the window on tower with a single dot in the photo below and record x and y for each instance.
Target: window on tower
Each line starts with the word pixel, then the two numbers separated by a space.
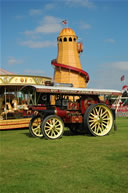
pixel 65 39
pixel 70 39
pixel 74 39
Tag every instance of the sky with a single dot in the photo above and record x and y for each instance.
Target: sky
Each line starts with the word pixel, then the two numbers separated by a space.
pixel 29 31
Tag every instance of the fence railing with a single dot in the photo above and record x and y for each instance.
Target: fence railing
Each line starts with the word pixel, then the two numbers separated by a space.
pixel 121 106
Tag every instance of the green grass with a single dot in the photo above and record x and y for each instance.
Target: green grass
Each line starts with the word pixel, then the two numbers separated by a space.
pixel 73 164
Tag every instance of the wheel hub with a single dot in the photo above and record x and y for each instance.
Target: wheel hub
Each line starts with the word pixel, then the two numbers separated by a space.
pixel 100 120
pixel 53 128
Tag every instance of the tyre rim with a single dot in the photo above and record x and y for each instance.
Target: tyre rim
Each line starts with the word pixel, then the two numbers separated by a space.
pixel 100 120
pixel 36 127
pixel 53 128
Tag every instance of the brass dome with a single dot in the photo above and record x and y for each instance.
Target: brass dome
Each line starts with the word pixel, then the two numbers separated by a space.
pixel 67 32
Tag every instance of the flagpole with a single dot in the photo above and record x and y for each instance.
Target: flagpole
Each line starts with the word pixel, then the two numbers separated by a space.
pixel 124 81
pixel 65 22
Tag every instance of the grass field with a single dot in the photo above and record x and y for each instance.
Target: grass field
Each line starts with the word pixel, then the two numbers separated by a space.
pixel 73 164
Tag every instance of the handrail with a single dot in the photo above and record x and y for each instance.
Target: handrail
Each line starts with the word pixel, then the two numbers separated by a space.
pixel 74 69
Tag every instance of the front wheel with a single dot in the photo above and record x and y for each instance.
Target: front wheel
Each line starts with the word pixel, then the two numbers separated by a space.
pixel 35 127
pixel 98 119
pixel 52 127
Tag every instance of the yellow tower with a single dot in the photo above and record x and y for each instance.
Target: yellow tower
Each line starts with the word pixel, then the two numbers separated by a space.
pixel 68 68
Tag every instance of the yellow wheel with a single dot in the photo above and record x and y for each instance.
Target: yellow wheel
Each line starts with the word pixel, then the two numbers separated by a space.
pixel 35 127
pixel 52 127
pixel 98 119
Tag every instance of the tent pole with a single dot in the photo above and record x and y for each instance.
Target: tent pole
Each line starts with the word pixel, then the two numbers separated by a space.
pixel 5 109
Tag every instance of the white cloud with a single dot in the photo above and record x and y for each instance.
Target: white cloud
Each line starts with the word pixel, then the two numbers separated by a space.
pixel 51 19
pixel 38 44
pixel 48 28
pixel 34 72
pixel 35 12
pixel 28 32
pixel 20 17
pixel 49 24
pixel 49 6
pixel 121 65
pixel 110 40
pixel 109 74
pixel 85 26
pixel 83 3
pixel 13 61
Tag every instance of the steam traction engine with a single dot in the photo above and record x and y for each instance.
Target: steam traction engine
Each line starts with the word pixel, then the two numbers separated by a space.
pixel 79 109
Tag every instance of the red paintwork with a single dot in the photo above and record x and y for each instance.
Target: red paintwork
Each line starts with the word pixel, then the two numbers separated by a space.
pixel 88 102
pixel 74 69
pixel 73 118
pixel 36 108
pixel 73 113
pixel 77 119
pixel 69 116
pixel 73 106
pixel 70 111
pixel 60 112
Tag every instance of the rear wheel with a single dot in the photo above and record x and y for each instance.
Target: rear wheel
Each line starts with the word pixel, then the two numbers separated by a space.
pixel 52 127
pixel 35 127
pixel 98 119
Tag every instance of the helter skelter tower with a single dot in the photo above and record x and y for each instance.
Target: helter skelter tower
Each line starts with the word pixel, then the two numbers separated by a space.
pixel 68 68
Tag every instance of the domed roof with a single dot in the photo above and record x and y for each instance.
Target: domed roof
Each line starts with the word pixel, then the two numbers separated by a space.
pixel 67 32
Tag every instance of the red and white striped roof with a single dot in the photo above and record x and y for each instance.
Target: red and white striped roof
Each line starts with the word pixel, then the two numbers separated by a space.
pixel 4 72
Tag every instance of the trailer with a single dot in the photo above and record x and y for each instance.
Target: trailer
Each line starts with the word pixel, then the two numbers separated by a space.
pixel 82 110
pixel 14 105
